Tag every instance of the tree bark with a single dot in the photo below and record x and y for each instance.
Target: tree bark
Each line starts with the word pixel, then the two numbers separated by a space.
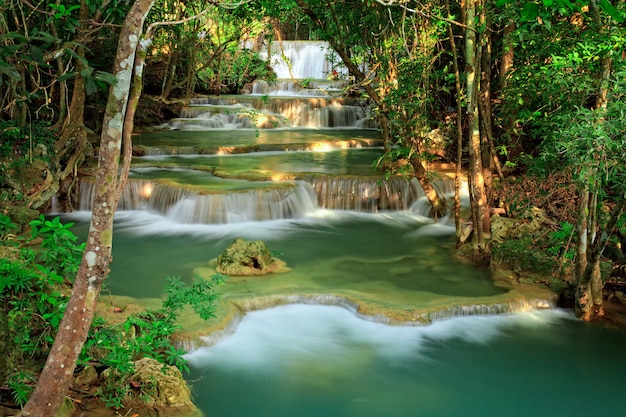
pixel 94 268
pixel 478 197
pixel 436 201
pixel 459 132
pixel 588 304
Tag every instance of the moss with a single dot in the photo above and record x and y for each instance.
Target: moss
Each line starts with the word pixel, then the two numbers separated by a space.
pixel 245 257
pixel 107 237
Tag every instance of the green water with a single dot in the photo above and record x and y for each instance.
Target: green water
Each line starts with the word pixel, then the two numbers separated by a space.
pixel 385 255
pixel 309 362
pixel 326 361
pixel 336 162
pixel 247 137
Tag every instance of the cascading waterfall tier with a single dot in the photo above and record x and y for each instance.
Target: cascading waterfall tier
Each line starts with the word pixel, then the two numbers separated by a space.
pixel 274 202
pixel 207 113
pixel 364 194
pixel 284 201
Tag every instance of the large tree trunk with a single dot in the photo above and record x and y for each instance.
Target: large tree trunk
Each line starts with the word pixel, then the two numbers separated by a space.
pixel 94 268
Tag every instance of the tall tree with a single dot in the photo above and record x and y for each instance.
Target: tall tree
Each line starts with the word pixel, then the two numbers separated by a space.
pixel 57 373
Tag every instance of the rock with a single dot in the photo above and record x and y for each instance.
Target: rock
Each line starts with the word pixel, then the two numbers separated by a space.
pixel 86 378
pixel 245 257
pixel 67 408
pixel 502 228
pixel 620 297
pixel 164 384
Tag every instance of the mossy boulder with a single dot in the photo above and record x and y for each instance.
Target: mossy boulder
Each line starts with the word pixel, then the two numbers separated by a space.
pixel 164 384
pixel 247 257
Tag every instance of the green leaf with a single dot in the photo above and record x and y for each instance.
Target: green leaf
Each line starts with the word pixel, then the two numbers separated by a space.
pixel 105 77
pixel 91 86
pixel 529 12
pixel 611 10
pixel 565 4
pixel 9 71
pixel 67 76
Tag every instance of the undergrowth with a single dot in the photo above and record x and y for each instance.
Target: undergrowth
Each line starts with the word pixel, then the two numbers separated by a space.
pixel 36 274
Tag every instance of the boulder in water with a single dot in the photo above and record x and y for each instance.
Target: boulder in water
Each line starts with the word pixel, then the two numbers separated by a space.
pixel 247 257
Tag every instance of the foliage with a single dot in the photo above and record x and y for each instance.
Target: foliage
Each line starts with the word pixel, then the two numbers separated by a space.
pixel 58 246
pixel 146 334
pixel 32 289
pixel 20 386
pixel 235 70
pixel 560 242
pixel 18 144
pixel 33 293
pixel 560 51
pixel 524 254
pixel 6 226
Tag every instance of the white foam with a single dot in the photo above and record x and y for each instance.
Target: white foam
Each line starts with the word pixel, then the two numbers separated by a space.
pixel 268 340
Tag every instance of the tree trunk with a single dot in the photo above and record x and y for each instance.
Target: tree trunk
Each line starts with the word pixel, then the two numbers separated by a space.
pixel 588 304
pixel 436 201
pixel 484 105
pixel 508 54
pixel 94 268
pixel 582 225
pixel 478 197
pixel 459 132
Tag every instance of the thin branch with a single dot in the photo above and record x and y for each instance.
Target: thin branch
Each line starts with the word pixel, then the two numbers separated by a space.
pixel 390 3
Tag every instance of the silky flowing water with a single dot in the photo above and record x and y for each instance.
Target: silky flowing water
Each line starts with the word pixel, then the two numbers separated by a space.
pixel 375 316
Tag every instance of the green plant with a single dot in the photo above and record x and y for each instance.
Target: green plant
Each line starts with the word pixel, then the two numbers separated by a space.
pixel 18 384
pixel 59 251
pixel 34 305
pixel 146 334
pixel 560 241
pixel 6 226
pixel 524 254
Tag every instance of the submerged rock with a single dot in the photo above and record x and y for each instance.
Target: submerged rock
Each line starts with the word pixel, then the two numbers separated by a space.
pixel 247 257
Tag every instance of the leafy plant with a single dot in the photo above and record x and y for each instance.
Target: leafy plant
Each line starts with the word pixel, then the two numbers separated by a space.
pixel 59 250
pixel 146 334
pixel 19 387
pixel 560 242
pixel 6 226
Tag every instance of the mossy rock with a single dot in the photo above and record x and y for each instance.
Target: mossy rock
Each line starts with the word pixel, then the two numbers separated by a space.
pixel 247 257
pixel 164 384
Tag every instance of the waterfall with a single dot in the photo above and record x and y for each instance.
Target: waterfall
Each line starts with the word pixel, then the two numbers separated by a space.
pixel 304 59
pixel 515 306
pixel 442 313
pixel 207 113
pixel 374 194
pixel 286 201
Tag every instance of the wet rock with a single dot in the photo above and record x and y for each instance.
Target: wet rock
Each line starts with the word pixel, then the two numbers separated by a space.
pixel 246 257
pixel 164 384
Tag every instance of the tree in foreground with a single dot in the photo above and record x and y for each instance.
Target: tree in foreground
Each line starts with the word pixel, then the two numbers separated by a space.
pixel 94 267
